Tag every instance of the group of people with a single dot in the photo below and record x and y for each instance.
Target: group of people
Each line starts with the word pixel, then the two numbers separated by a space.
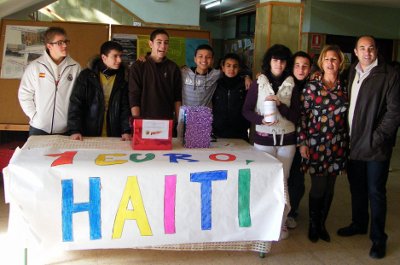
pixel 59 98
pixel 321 126
pixel 335 129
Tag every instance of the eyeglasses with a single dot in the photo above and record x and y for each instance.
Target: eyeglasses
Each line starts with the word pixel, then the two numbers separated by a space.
pixel 61 42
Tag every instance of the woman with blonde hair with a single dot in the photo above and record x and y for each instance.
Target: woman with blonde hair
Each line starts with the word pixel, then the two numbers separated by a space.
pixel 323 136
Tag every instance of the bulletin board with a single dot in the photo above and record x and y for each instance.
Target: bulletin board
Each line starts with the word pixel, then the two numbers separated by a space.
pixel 182 42
pixel 86 39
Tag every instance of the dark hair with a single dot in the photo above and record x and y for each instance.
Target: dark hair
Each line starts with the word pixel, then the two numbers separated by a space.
pixel 51 32
pixel 277 51
pixel 303 55
pixel 365 36
pixel 232 56
pixel 107 46
pixel 156 32
pixel 204 47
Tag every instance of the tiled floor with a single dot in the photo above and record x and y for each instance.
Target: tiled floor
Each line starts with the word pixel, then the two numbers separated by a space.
pixel 297 249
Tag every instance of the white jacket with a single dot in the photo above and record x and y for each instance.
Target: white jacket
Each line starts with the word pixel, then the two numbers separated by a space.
pixel 44 100
pixel 284 94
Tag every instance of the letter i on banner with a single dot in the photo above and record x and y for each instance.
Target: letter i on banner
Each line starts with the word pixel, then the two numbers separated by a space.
pixel 206 178
pixel 169 204
pixel 244 198
pixel 69 208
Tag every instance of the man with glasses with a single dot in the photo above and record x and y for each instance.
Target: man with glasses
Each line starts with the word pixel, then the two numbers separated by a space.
pixel 46 85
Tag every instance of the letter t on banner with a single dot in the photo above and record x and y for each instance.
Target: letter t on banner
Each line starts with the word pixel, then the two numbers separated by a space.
pixel 69 208
pixel 205 178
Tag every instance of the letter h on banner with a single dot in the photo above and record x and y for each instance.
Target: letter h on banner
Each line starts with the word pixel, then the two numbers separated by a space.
pixel 69 208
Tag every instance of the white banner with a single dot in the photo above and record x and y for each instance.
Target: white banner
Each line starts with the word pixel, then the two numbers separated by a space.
pixel 88 199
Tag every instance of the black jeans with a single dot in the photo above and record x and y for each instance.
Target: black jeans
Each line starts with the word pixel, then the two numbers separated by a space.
pixel 368 184
pixel 296 185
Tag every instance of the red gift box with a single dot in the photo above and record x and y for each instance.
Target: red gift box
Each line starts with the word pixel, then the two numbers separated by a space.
pixel 152 134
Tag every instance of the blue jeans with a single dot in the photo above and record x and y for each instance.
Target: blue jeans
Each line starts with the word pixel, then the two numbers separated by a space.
pixel 368 184
pixel 35 131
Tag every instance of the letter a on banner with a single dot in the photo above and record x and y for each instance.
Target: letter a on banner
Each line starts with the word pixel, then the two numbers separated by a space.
pixel 131 195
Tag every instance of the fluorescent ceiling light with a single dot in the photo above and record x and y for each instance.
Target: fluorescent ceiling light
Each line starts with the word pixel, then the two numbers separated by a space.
pixel 215 3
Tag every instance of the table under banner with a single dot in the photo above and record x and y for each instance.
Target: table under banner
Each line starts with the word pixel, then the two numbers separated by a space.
pixel 99 193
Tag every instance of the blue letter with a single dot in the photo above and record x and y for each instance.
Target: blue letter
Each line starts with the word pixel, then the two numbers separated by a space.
pixel 173 158
pixel 69 207
pixel 205 179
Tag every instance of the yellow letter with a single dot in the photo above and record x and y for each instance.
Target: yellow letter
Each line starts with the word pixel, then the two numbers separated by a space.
pixel 107 159
pixel 131 194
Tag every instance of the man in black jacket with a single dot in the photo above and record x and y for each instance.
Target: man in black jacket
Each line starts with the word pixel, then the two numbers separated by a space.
pixel 374 116
pixel 99 104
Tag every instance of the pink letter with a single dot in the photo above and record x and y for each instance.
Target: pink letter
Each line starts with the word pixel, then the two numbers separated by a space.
pixel 169 204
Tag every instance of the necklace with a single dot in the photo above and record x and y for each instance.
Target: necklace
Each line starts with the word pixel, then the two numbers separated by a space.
pixel 329 85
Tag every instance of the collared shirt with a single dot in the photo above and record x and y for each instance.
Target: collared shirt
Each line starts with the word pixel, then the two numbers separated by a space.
pixel 356 86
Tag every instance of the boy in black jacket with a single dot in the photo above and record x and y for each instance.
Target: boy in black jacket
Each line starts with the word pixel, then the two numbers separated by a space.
pixel 228 100
pixel 99 103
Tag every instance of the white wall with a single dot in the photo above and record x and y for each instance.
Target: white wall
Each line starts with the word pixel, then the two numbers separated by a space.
pixel 351 20
pixel 176 12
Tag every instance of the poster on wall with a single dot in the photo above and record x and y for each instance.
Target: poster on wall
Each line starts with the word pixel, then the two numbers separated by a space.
pixel 143 47
pixel 244 48
pixel 22 44
pixel 191 46
pixel 176 50
pixel 129 47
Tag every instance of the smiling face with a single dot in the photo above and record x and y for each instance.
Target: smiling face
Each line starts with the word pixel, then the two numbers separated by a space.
pixel 113 59
pixel 301 68
pixel 230 67
pixel 277 66
pixel 159 47
pixel 366 51
pixel 331 63
pixel 204 60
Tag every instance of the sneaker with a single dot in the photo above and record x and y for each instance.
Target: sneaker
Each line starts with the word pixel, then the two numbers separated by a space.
pixel 284 233
pixel 291 223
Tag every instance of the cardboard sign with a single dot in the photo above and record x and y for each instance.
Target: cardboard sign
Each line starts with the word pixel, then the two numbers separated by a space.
pixel 152 134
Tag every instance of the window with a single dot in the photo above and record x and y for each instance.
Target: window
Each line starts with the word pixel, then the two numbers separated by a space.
pixel 245 25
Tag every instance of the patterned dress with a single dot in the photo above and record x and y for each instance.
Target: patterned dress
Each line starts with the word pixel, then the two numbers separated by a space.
pixel 323 128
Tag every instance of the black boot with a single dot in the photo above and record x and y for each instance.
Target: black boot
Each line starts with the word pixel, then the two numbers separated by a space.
pixel 314 228
pixel 324 235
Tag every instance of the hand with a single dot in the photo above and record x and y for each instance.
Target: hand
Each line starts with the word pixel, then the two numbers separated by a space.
pixel 126 137
pixel 141 58
pixel 247 82
pixel 269 123
pixel 274 98
pixel 305 152
pixel 76 136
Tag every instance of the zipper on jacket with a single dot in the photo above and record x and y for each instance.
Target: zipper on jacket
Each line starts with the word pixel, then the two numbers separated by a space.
pixel 55 92
pixel 54 107
pixel 229 97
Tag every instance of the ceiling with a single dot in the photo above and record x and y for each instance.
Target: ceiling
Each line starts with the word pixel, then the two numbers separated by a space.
pixel 233 7
pixel 227 7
